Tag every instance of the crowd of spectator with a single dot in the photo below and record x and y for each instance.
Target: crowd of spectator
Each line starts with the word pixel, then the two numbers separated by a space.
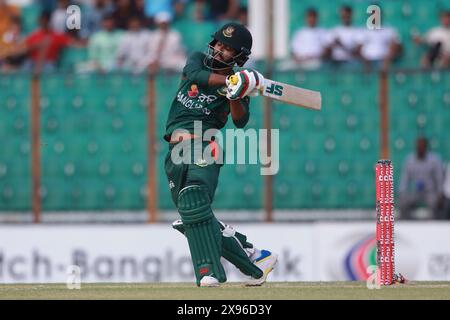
pixel 119 35
pixel 438 41
pixel 349 45
pixel 137 36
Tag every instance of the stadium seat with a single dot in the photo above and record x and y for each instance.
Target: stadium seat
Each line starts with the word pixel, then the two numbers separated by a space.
pixel 30 17
pixel 196 36
pixel 15 195
pixel 71 57
pixel 94 127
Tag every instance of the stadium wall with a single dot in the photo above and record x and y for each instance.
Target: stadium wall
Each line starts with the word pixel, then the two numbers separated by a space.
pixel 318 251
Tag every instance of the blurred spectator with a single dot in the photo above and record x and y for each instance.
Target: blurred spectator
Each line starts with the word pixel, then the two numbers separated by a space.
pixel 309 43
pixel 140 6
pixel 174 7
pixel 93 15
pixel 180 6
pixel 166 50
pixel 7 14
pixel 45 46
pixel 345 40
pixel 134 47
pixel 87 2
pixel 20 3
pixel 217 10
pixel 12 39
pixel 59 16
pixel 103 47
pixel 125 9
pixel 438 41
pixel 381 47
pixel 421 181
pixel 446 191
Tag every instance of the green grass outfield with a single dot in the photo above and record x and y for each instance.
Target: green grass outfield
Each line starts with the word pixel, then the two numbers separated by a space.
pixel 234 291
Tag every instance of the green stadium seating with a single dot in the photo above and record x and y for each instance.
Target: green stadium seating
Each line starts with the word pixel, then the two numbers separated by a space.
pixel 30 17
pixel 95 128
pixel 71 57
pixel 15 195
pixel 15 155
pixel 97 155
pixel 196 36
pixel 100 165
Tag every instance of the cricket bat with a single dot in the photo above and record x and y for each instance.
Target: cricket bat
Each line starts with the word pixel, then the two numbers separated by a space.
pixel 289 94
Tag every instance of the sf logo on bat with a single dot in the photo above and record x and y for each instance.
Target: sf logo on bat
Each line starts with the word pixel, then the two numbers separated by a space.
pixel 275 89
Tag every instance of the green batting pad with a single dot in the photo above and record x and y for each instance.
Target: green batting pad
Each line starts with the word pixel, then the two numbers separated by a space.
pixel 233 252
pixel 202 231
pixel 233 244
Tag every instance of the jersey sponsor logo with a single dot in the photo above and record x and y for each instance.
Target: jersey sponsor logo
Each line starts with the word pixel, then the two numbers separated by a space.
pixel 208 98
pixel 201 163
pixel 193 93
pixel 228 32
pixel 275 89
pixel 191 104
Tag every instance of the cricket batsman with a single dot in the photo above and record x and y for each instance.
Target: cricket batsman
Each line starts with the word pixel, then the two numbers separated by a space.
pixel 207 94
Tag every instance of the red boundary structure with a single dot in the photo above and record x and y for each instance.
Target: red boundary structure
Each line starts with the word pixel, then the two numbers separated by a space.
pixel 385 222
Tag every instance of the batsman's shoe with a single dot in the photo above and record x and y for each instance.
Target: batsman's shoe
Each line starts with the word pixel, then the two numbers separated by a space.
pixel 266 262
pixel 208 281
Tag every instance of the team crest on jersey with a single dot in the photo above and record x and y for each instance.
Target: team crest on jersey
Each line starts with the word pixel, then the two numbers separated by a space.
pixel 194 91
pixel 201 162
pixel 228 32
pixel 222 91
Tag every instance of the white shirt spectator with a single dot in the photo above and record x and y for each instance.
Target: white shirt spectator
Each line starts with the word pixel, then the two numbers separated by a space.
pixel 86 2
pixel 377 43
pixel 134 48
pixel 58 20
pixel 446 187
pixel 20 3
pixel 172 55
pixel 103 47
pixel 439 34
pixel 350 37
pixel 310 43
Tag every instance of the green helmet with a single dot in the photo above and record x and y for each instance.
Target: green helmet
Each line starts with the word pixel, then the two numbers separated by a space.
pixel 236 36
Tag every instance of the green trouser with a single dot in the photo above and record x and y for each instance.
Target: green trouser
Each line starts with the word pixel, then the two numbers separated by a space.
pixel 192 187
pixel 182 175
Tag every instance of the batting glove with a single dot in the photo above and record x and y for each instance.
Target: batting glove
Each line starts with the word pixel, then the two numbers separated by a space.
pixel 259 83
pixel 245 82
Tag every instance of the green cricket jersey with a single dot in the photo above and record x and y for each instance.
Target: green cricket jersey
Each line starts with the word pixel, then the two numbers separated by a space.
pixel 196 101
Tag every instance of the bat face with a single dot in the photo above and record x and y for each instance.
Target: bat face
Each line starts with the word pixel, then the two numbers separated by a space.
pixel 289 94
pixel 293 95
pixel 273 89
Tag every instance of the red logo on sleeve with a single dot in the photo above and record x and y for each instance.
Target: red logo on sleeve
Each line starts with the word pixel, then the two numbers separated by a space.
pixel 194 91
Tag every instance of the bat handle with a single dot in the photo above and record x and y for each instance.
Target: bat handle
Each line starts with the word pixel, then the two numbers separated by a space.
pixel 234 80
